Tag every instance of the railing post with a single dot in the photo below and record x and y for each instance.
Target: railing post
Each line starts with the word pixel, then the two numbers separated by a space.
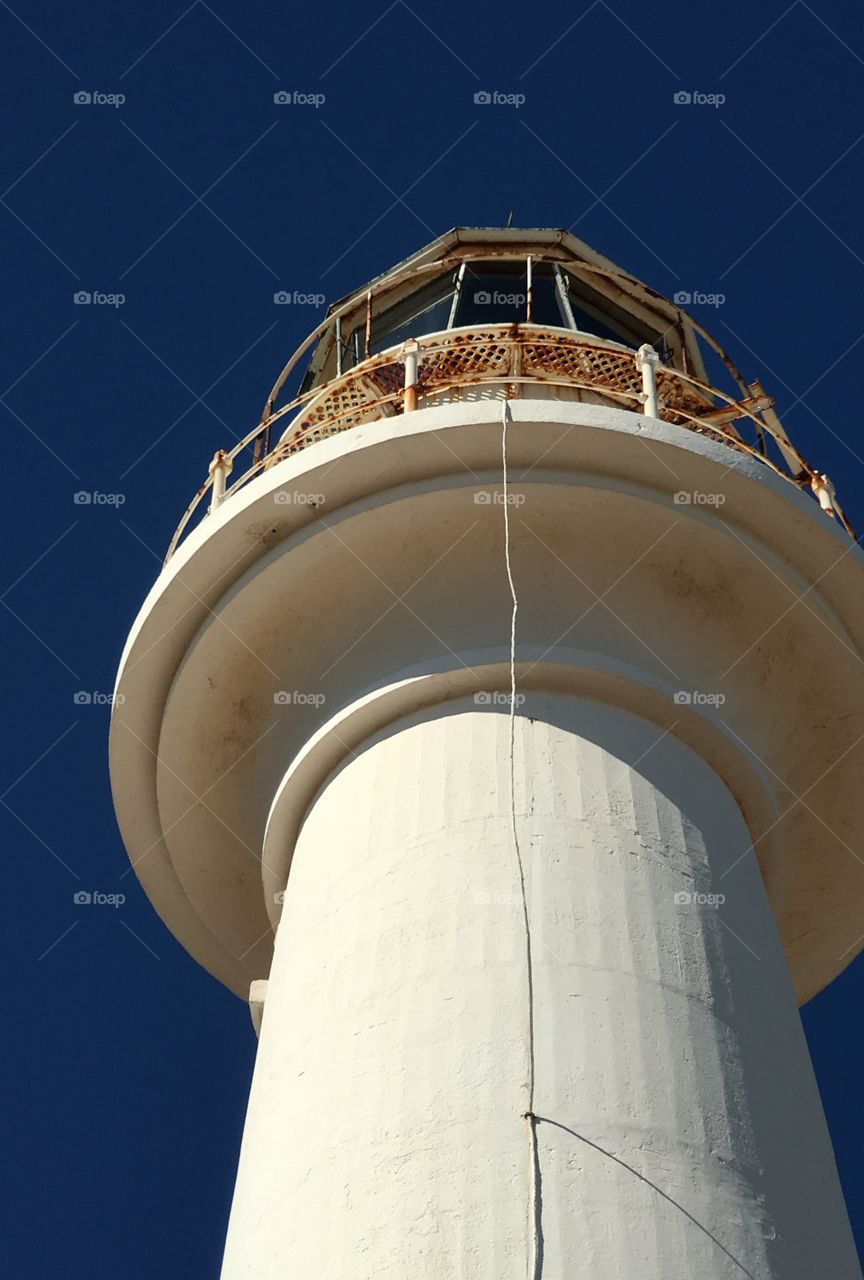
pixel 220 468
pixel 367 345
pixel 338 341
pixel 410 354
pixel 647 361
pixel 824 491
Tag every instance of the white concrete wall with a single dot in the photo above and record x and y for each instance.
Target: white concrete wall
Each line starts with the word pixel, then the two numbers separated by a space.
pixel 681 1135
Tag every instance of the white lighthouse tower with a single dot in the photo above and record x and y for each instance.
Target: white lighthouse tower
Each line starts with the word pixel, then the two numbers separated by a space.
pixel 498 732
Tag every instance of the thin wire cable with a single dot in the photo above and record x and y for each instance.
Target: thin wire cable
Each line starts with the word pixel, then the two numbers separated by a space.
pixel 533 1256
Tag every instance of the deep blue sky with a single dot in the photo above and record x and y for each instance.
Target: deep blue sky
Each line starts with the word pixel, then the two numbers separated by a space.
pixel 129 1069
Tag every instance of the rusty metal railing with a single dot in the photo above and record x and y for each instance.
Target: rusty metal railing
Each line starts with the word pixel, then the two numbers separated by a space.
pixel 423 370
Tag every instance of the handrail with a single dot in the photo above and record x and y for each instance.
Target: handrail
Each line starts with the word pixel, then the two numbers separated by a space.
pixel 396 380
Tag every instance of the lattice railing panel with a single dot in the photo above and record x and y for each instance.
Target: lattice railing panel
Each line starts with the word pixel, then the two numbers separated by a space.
pixel 463 357
pixel 456 359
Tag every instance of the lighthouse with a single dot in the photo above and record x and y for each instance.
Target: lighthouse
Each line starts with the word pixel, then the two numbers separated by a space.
pixel 495 729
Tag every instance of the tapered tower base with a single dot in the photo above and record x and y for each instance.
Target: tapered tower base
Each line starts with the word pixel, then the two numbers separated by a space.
pixel 680 1132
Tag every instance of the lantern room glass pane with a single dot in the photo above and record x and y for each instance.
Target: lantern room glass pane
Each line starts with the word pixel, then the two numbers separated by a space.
pixel 492 293
pixel 426 311
pixel 591 317
pixel 587 323
pixel 546 305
